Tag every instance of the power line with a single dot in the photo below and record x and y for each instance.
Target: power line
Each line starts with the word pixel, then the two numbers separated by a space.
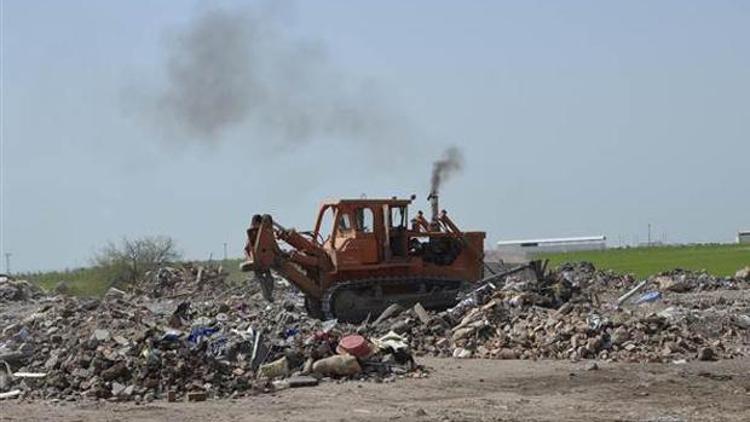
pixel 2 137
pixel 7 262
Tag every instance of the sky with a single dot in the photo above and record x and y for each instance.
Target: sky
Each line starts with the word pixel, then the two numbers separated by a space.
pixel 574 118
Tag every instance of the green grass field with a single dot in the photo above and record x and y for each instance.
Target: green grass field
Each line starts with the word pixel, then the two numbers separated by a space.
pixel 82 281
pixel 717 259
pixel 722 260
pixel 93 281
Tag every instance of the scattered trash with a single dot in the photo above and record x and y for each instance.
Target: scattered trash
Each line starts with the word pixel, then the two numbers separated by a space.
pixel 624 298
pixel 10 394
pixel 101 335
pixel 200 333
pixel 706 353
pixel 389 312
pixel 393 341
pixel 197 396
pixel 461 353
pixel 593 366
pixel 648 297
pixel 594 321
pixel 302 381
pixel 329 325
pixel 338 365
pixel 355 345
pixel 669 313
pixel 290 332
pixel 742 321
pixel 175 338
pixel 743 274
pixel 29 374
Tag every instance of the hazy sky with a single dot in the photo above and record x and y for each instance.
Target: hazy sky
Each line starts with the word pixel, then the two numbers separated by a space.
pixel 574 118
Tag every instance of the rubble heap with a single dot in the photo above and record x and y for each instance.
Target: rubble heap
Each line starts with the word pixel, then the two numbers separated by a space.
pixel 18 290
pixel 183 332
pixel 133 347
pixel 573 314
pixel 681 281
pixel 186 280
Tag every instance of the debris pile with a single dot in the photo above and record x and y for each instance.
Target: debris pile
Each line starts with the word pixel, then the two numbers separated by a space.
pixel 681 281
pixel 182 333
pixel 185 280
pixel 573 314
pixel 18 290
pixel 132 347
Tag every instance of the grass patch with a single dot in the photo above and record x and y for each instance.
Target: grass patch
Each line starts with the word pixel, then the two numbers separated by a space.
pixel 720 260
pixel 93 281
pixel 81 282
pixel 232 266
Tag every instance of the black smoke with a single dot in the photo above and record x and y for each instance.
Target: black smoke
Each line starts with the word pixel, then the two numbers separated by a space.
pixel 451 162
pixel 231 68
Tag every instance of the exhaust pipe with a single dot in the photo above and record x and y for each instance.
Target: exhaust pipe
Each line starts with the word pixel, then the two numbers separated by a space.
pixel 435 221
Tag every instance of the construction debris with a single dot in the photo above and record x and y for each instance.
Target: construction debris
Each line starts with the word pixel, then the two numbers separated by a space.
pixel 578 313
pixel 186 280
pixel 18 290
pixel 183 333
pixel 10 394
pixel 167 342
pixel 743 274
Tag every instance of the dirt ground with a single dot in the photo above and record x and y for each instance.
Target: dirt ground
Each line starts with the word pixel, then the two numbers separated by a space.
pixel 464 390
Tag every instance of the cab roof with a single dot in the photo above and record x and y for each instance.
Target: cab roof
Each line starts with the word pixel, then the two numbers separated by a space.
pixel 367 201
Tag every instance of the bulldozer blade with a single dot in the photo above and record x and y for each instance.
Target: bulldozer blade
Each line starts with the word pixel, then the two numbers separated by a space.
pixel 266 284
pixel 247 266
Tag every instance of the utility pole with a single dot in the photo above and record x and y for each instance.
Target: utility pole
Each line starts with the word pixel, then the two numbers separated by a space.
pixel 7 262
pixel 225 251
pixel 649 234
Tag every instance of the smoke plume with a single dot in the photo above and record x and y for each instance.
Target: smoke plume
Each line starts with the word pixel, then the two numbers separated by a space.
pixel 451 162
pixel 227 69
pixel 210 78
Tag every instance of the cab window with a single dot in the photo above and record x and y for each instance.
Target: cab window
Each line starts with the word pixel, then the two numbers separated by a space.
pixel 398 217
pixel 326 225
pixel 365 220
pixel 345 223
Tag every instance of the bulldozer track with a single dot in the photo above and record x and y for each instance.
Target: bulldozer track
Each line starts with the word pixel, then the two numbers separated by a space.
pixel 432 293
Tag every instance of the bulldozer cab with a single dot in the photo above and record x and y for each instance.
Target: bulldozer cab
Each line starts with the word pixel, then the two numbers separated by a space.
pixel 363 232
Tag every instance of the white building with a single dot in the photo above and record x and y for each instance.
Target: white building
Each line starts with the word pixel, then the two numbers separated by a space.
pixel 743 237
pixel 522 250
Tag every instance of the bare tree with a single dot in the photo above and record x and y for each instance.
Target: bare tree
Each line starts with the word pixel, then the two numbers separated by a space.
pixel 129 260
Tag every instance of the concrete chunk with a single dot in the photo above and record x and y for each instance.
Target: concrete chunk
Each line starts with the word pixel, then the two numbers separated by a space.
pixel 422 314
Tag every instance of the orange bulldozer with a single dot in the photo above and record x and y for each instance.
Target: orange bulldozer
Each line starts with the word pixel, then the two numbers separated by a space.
pixel 364 255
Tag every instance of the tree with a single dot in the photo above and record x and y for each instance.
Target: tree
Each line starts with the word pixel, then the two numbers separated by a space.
pixel 129 260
